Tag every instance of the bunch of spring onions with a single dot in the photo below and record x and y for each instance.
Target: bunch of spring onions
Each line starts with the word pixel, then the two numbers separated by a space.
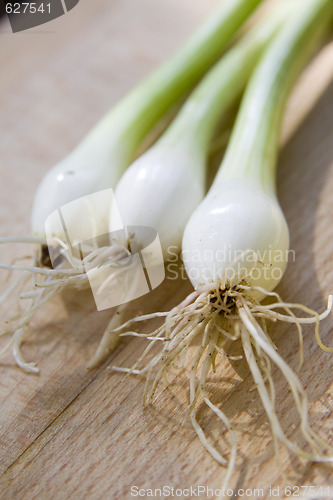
pixel 235 251
pixel 239 223
pixel 80 185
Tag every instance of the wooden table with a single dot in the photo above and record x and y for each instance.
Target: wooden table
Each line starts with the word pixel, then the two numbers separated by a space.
pixel 69 433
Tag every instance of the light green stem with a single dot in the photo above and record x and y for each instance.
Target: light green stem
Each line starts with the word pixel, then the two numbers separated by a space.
pixel 222 86
pixel 252 151
pixel 124 128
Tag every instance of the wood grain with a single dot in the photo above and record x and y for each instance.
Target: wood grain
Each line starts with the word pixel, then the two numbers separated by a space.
pixel 67 433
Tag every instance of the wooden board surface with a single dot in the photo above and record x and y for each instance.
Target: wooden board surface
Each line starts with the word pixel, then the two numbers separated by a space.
pixel 67 433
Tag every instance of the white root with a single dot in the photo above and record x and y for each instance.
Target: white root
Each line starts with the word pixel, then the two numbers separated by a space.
pixel 71 273
pixel 218 316
pixel 109 341
pixel 23 239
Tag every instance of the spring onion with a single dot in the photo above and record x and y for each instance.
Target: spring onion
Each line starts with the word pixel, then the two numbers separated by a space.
pixel 235 249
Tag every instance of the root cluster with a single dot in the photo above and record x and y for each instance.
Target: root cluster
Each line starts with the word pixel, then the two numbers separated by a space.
pixel 37 284
pixel 213 317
